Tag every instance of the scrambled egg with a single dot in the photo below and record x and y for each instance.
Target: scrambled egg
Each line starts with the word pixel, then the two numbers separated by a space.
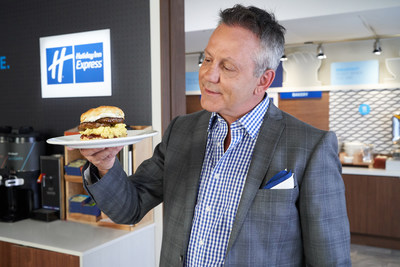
pixel 118 130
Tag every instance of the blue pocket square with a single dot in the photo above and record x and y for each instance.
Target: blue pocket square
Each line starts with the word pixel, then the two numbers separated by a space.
pixel 278 178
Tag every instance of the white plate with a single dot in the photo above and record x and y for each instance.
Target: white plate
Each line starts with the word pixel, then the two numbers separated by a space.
pixel 74 141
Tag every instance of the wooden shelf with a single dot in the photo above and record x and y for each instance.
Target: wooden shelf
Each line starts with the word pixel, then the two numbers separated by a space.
pixel 73 178
pixel 74 184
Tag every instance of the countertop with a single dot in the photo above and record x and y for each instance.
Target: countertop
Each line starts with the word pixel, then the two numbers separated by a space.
pixel 63 236
pixel 369 171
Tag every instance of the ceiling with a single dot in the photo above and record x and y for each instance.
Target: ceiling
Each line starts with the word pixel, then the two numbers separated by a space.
pixel 305 21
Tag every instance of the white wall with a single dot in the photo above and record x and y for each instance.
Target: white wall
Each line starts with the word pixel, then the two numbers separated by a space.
pixel 203 15
pixel 337 52
pixel 352 51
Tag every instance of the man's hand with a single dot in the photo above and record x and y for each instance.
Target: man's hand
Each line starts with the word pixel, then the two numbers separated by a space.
pixel 102 158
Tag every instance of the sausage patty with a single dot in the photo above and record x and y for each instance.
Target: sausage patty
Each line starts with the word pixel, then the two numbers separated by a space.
pixel 100 122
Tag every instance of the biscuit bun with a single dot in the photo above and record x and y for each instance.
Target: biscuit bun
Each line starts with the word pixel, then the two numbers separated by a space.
pixel 94 114
pixel 102 123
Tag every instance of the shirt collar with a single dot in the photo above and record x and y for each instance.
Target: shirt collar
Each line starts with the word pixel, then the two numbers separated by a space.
pixel 251 121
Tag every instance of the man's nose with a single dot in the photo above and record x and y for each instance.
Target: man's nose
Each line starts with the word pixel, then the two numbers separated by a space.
pixel 212 73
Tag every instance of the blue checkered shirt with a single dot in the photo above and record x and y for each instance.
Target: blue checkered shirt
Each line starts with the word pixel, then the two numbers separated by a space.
pixel 221 184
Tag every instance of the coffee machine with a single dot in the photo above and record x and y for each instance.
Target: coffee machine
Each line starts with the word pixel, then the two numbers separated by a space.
pixel 393 162
pixel 396 128
pixel 20 151
pixel 396 136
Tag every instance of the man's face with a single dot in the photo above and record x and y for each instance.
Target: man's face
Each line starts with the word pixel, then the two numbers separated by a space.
pixel 227 83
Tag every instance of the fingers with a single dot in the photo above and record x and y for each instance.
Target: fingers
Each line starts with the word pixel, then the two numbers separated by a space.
pixel 91 151
pixel 102 158
pixel 99 154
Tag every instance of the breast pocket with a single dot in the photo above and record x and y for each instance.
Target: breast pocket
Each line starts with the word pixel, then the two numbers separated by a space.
pixel 271 228
pixel 274 204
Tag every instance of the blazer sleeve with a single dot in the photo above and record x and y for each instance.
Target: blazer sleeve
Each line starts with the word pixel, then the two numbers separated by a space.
pixel 126 200
pixel 322 206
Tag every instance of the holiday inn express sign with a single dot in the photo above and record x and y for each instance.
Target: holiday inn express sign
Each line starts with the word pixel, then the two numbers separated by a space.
pixel 76 65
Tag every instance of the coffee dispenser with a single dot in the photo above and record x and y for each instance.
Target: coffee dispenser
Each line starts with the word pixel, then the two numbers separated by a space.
pixel 5 132
pixel 20 168
pixel 396 128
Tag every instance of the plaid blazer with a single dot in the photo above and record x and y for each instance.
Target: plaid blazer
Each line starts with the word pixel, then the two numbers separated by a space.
pixel 306 225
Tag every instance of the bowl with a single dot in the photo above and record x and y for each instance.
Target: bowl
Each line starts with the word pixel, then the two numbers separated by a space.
pixel 353 147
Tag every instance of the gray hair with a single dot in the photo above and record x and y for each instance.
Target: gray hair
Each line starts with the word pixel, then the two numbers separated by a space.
pixel 267 29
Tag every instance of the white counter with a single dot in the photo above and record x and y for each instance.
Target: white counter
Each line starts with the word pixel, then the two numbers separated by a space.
pixel 96 246
pixel 370 171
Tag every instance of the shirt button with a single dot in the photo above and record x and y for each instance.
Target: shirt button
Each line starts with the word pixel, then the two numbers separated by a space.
pixel 208 208
pixel 217 176
pixel 201 242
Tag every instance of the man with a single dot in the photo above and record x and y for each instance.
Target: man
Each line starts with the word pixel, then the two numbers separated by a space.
pixel 213 169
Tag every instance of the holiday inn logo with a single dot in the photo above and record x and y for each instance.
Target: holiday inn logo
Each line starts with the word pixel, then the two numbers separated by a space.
pixel 74 65
pixel 59 65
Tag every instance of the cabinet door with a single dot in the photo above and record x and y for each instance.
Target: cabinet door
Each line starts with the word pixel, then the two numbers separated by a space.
pixel 31 257
pixel 373 205
pixel 356 201
pixel 384 206
pixel 5 254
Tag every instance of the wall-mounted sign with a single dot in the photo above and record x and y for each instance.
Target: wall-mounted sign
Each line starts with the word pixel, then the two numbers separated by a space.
pixel 192 82
pixel 364 109
pixel 3 63
pixel 277 82
pixel 356 72
pixel 76 65
pixel 295 95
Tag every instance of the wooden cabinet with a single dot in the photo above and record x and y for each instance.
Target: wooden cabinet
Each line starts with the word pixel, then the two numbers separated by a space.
pixel 373 206
pixel 356 200
pixel 384 206
pixel 5 254
pixel 13 255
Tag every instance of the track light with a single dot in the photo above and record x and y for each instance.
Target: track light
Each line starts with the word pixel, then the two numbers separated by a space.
pixel 320 52
pixel 377 47
pixel 283 57
pixel 201 58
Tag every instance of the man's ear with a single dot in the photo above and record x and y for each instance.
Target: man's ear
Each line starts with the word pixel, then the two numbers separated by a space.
pixel 265 81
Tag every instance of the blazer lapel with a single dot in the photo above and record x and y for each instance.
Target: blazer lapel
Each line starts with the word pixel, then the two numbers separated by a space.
pixel 193 171
pixel 269 135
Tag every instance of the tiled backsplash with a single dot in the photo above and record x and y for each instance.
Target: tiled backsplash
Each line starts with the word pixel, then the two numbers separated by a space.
pixel 374 128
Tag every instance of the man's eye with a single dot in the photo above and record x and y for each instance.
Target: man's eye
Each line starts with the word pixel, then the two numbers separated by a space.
pixel 228 68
